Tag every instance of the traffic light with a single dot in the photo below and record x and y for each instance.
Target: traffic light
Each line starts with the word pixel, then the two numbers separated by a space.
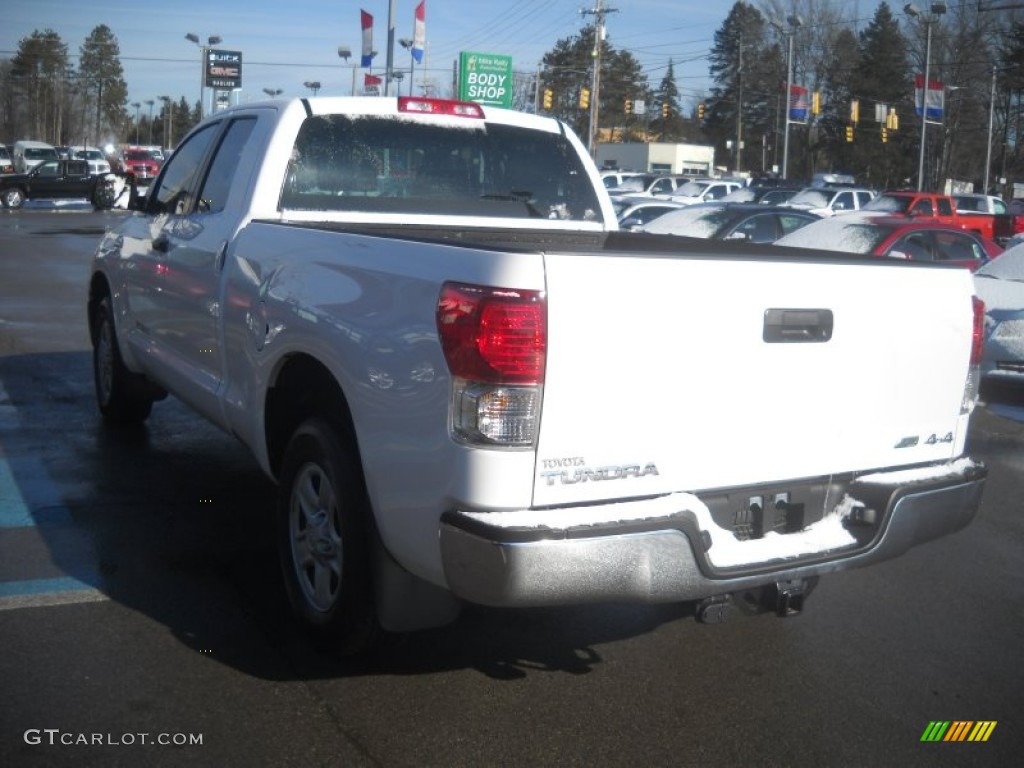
pixel 849 133
pixel 584 98
pixel 700 111
pixel 664 110
pixel 816 103
pixel 892 120
pixel 855 111
pixel 629 106
pixel 549 98
pixel 885 134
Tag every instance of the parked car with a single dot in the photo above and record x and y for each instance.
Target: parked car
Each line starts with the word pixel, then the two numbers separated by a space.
pixel 633 185
pixel 612 179
pixel 923 205
pixel 650 186
pixel 752 222
pixel 763 194
pixel 93 156
pixel 139 162
pixel 6 161
pixel 1000 284
pixel 637 214
pixel 895 237
pixel 826 201
pixel 703 191
pixel 28 154
pixel 56 179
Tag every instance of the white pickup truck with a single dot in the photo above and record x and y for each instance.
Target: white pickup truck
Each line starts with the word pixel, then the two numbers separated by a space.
pixel 469 386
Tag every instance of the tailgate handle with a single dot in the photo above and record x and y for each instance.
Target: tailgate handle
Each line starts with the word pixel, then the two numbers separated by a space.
pixel 795 326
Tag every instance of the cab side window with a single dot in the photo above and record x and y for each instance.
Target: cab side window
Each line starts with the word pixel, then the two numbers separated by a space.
pixel 214 195
pixel 175 190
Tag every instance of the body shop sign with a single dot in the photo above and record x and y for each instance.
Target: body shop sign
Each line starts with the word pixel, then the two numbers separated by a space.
pixel 223 69
pixel 485 78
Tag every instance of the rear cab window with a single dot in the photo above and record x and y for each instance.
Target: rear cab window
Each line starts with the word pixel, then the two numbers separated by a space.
pixel 382 164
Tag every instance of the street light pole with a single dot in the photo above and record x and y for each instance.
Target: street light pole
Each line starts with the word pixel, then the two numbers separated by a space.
pixel 344 52
pixel 137 106
pixel 991 119
pixel 408 43
pixel 211 41
pixel 794 22
pixel 168 120
pixel 936 10
pixel 150 103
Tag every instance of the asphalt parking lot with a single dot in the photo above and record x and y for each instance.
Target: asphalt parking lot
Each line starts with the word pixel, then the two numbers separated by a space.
pixel 143 618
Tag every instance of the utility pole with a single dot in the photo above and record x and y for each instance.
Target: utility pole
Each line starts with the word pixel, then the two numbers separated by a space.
pixel 595 76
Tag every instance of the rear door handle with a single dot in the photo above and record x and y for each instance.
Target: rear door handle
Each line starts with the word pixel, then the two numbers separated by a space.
pixel 797 326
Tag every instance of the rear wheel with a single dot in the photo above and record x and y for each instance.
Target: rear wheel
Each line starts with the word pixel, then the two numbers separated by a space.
pixel 13 198
pixel 323 541
pixel 104 195
pixel 121 395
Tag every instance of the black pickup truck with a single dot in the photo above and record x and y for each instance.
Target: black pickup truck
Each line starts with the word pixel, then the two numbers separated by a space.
pixel 56 179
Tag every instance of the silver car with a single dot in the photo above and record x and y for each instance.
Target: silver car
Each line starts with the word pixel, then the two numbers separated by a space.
pixel 1000 284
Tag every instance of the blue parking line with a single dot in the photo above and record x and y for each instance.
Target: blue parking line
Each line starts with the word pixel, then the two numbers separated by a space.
pixel 15 512
pixel 43 586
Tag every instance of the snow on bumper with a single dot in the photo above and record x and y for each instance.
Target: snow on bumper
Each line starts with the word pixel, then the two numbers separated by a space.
pixel 668 548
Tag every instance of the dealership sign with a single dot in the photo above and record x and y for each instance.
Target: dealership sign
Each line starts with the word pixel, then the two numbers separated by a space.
pixel 223 70
pixel 485 78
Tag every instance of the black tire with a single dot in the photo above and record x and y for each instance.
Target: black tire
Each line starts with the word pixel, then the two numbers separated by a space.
pixel 122 396
pixel 103 197
pixel 324 546
pixel 13 197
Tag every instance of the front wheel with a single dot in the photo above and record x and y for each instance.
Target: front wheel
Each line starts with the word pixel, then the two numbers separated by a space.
pixel 323 538
pixel 13 198
pixel 121 395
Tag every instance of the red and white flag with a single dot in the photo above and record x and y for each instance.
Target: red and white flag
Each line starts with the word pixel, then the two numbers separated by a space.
pixel 367 21
pixel 419 31
pixel 936 97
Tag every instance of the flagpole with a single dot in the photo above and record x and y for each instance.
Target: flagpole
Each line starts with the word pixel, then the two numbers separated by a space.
pixel 390 71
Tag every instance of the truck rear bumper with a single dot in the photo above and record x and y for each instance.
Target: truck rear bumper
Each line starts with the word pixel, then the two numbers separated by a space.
pixel 660 549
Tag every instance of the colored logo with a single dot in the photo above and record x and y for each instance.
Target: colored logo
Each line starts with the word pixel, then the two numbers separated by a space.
pixel 958 730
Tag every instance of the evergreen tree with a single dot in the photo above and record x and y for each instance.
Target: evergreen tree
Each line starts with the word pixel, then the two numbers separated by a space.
pixel 568 68
pixel 38 72
pixel 881 75
pixel 666 98
pixel 102 78
pixel 744 97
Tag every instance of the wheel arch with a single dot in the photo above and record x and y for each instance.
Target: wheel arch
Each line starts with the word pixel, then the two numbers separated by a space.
pixel 301 388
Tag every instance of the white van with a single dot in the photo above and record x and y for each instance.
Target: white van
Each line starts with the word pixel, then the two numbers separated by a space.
pixel 29 154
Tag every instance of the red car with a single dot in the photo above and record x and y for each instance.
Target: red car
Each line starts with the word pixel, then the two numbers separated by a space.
pixel 140 162
pixel 896 237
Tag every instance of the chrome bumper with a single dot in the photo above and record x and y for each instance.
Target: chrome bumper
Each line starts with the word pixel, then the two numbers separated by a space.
pixel 664 557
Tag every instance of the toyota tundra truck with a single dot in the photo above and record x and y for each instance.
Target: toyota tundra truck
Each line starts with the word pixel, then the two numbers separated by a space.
pixel 470 387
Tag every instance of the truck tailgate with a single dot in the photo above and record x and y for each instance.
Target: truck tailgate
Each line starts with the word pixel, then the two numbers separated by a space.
pixel 763 369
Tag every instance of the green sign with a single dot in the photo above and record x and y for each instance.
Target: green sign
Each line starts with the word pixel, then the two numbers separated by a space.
pixel 485 78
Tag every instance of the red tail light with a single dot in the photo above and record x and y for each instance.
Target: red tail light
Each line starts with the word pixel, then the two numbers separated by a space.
pixel 493 335
pixel 978 339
